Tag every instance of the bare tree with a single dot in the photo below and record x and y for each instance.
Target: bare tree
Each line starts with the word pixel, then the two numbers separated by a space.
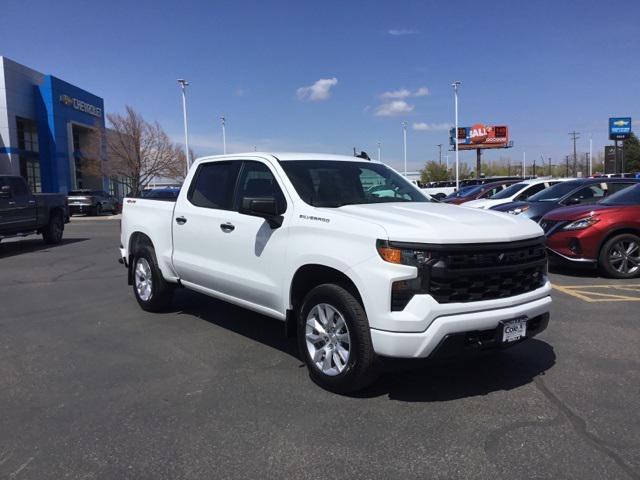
pixel 139 150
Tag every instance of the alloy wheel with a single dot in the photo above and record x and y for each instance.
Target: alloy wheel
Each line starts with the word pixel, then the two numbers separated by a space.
pixel 327 339
pixel 143 279
pixel 624 256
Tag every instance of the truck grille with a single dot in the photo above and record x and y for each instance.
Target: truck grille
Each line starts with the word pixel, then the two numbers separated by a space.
pixel 472 273
pixel 487 272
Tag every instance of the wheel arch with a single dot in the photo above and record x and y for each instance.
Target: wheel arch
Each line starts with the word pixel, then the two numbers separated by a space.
pixel 311 275
pixel 621 230
pixel 137 240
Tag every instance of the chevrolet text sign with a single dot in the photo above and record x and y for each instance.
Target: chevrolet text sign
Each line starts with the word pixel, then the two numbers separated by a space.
pixel 81 106
pixel 619 128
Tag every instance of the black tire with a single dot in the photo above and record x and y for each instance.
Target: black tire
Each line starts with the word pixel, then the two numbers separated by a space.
pixel 161 291
pixel 612 262
pixel 52 233
pixel 97 210
pixel 360 369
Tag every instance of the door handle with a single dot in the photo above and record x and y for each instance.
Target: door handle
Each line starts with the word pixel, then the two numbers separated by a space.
pixel 227 227
pixel 181 220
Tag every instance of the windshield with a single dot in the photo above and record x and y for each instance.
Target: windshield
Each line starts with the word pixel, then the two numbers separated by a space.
pixel 554 193
pixel 626 196
pixel 327 183
pixel 509 191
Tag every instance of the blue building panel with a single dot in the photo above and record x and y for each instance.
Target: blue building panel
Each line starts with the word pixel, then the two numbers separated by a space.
pixel 59 106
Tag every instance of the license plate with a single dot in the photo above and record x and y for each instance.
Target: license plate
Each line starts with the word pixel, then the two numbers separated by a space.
pixel 513 330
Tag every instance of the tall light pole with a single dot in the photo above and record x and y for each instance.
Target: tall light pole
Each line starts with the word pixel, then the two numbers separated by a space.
pixel 183 86
pixel 439 153
pixel 379 151
pixel 224 134
pixel 455 86
pixel 524 164
pixel 590 154
pixel 404 137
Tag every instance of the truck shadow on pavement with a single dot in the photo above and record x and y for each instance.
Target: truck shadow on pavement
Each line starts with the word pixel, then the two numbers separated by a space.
pixel 30 245
pixel 403 380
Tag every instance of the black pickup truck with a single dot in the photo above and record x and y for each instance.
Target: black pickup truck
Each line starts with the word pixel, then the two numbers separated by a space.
pixel 23 213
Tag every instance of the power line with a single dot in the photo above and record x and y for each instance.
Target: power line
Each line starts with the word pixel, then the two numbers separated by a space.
pixel 575 136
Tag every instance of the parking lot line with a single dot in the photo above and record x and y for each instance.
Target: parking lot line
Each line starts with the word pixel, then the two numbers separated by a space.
pixel 590 293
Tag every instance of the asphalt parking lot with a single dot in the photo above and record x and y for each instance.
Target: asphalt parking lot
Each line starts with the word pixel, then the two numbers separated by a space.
pixel 93 387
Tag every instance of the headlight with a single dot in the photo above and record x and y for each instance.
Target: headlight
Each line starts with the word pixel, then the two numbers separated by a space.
pixel 581 224
pixel 519 210
pixel 402 256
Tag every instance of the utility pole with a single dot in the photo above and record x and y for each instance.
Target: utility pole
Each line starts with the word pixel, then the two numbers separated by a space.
pixel 379 151
pixel 587 164
pixel 550 174
pixel 404 137
pixel 567 166
pixel 183 85
pixel 455 86
pixel 439 153
pixel 575 136
pixel 590 154
pixel 223 120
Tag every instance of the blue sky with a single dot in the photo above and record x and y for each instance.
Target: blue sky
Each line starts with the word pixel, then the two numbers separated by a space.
pixel 544 68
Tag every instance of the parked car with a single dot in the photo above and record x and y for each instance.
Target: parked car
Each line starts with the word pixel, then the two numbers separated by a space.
pixel 164 193
pixel 355 274
pixel 24 213
pixel 517 192
pixel 439 190
pixel 586 191
pixel 606 234
pixel 92 202
pixel 477 192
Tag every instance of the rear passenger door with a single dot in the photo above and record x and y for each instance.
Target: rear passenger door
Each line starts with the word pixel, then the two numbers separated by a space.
pixel 22 204
pixel 200 225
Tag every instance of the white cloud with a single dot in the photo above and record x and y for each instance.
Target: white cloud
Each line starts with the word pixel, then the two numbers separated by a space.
pixel 391 109
pixel 405 93
pixel 319 91
pixel 240 92
pixel 432 127
pixel 402 31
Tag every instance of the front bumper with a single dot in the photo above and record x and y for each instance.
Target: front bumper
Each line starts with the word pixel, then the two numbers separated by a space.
pixel 423 344
pixel 80 208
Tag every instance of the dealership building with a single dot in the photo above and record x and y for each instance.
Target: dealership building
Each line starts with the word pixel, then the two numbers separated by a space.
pixel 47 128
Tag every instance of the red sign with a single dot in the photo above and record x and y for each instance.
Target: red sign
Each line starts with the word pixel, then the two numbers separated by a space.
pixel 482 136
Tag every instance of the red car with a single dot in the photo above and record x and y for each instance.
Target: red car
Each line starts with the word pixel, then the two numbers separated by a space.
pixel 606 234
pixel 476 192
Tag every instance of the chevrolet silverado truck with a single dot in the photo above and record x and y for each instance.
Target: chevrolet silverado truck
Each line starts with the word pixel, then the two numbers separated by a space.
pixel 357 262
pixel 23 213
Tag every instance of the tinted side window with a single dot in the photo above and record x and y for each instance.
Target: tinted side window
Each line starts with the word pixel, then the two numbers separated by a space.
pixel 590 194
pixel 18 187
pixel 257 181
pixel 213 185
pixel 532 191
pixel 616 187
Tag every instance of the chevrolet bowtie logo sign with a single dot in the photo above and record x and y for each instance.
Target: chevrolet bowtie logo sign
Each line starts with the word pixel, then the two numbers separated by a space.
pixel 81 106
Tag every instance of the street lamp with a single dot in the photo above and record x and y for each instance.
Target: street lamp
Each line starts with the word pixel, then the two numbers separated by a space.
pixel 455 86
pixel 439 153
pixel 404 137
pixel 224 134
pixel 183 85
pixel 379 151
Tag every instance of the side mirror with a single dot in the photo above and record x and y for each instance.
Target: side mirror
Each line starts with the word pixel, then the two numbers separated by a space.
pixel 573 201
pixel 264 207
pixel 5 191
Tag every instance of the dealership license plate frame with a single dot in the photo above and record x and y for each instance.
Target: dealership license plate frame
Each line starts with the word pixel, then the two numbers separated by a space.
pixel 514 329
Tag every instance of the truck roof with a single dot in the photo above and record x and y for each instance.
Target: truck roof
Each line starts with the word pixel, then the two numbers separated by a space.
pixel 287 156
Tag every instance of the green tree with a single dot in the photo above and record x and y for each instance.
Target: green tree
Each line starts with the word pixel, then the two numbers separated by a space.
pixel 433 172
pixel 632 154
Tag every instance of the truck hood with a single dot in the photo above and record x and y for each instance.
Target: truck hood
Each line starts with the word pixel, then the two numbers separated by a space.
pixel 486 203
pixel 442 223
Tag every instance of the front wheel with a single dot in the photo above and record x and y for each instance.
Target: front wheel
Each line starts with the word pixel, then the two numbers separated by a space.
pixel 334 340
pixel 620 256
pixel 152 291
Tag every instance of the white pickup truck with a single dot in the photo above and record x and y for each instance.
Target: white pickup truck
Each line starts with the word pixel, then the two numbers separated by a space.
pixel 355 260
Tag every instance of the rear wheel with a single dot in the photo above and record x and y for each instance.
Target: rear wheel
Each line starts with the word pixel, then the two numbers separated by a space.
pixel 334 340
pixel 152 291
pixel 620 256
pixel 52 233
